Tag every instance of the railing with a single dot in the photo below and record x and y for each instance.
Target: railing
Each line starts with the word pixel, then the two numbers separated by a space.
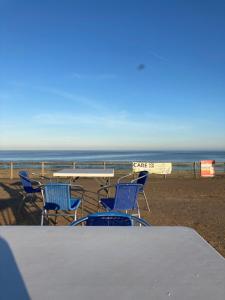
pixel 11 169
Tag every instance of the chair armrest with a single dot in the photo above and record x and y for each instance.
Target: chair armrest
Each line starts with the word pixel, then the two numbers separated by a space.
pixel 75 223
pixel 41 176
pixel 105 188
pixel 136 179
pixel 125 176
pixel 78 188
pixel 140 221
pixel 35 182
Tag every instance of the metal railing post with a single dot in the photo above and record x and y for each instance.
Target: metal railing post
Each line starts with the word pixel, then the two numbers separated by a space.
pixel 11 170
pixel 194 168
pixel 42 168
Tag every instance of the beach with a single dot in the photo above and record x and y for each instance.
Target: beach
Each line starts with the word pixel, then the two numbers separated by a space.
pixel 182 201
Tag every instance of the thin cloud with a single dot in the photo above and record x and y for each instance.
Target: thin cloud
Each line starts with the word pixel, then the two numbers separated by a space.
pixel 103 76
pixel 71 96
pixel 158 56
pixel 119 122
pixel 85 101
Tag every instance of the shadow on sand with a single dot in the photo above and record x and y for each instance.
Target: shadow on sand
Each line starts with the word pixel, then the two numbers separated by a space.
pixel 12 283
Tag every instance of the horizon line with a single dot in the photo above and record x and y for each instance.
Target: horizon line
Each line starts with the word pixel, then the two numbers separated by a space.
pixel 97 149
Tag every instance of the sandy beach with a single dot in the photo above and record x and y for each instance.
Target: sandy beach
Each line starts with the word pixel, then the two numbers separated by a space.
pixel 196 203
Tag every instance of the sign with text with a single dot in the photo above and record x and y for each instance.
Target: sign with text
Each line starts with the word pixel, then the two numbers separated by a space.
pixel 153 168
pixel 207 168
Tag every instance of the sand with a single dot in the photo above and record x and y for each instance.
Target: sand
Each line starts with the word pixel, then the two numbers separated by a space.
pixel 196 203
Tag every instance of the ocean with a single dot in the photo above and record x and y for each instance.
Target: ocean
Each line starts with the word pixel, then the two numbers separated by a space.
pixel 114 156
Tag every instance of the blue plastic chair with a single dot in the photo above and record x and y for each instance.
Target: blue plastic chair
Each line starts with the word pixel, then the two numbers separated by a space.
pixel 141 179
pixel 110 219
pixel 125 198
pixel 57 196
pixel 29 190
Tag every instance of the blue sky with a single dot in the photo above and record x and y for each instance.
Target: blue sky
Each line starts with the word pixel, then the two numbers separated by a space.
pixel 112 74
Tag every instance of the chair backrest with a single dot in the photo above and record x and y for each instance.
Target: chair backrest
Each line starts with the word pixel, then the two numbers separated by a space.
pixel 58 195
pixel 110 219
pixel 126 196
pixel 25 180
pixel 143 176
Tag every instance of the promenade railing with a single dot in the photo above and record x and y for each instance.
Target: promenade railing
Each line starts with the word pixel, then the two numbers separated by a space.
pixel 180 169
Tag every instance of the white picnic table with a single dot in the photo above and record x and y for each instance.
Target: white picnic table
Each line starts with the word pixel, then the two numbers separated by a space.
pixel 72 172
pixel 108 263
pixel 86 173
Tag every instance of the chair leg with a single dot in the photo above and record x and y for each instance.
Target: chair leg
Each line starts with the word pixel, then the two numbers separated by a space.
pixel 146 200
pixel 43 214
pixel 138 210
pixel 82 207
pixel 42 218
pixel 99 206
pixel 33 197
pixel 21 204
pixel 139 215
pixel 56 212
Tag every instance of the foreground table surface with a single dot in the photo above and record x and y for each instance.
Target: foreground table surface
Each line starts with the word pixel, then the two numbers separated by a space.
pixel 108 263
pixel 85 173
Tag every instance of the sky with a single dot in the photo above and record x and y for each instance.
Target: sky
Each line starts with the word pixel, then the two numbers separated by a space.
pixel 109 74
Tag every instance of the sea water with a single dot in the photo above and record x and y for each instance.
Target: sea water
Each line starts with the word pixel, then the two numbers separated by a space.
pixel 119 156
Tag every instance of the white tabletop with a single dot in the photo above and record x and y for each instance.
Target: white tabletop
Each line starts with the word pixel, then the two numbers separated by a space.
pixel 108 263
pixel 85 173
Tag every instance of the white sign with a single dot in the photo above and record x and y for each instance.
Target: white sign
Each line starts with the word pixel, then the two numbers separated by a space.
pixel 153 168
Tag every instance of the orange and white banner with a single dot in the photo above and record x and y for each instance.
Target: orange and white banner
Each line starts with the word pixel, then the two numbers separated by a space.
pixel 207 168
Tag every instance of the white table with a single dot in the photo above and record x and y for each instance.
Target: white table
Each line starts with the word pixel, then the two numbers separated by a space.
pixel 105 173
pixel 108 263
pixel 88 173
